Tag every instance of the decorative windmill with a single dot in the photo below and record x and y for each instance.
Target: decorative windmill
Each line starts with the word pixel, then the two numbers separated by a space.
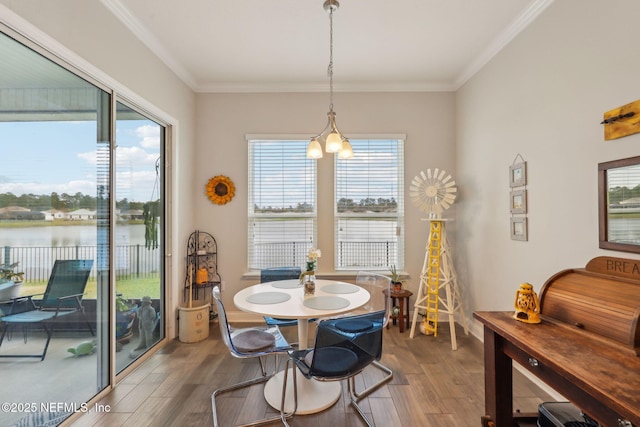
pixel 433 193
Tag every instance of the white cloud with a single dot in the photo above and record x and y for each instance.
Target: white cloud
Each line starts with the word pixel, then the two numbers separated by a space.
pixel 71 187
pixel 150 136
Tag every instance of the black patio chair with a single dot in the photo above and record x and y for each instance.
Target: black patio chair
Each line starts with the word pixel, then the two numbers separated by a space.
pixel 62 297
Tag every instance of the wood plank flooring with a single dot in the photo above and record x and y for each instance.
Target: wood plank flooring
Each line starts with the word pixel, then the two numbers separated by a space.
pixel 432 386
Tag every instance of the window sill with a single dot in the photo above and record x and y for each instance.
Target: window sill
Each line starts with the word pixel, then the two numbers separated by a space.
pixel 333 275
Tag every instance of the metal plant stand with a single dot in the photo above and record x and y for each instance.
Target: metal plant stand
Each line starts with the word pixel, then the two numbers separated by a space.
pixel 201 267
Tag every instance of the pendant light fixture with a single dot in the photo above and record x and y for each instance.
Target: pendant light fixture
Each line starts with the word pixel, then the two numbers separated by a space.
pixel 335 141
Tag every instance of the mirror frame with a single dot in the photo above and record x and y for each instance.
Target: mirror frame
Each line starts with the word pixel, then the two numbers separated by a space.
pixel 603 205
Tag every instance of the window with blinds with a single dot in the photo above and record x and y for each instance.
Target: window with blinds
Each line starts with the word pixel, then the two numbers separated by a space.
pixel 282 203
pixel 369 208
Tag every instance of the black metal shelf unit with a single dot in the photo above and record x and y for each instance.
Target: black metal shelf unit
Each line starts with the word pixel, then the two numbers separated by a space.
pixel 202 265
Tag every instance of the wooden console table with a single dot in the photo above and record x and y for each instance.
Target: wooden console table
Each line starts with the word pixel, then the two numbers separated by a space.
pixel 600 378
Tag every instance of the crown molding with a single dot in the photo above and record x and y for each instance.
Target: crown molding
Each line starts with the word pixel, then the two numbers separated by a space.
pixel 510 33
pixel 149 40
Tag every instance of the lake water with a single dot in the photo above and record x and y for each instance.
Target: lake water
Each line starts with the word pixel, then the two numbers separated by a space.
pixel 73 235
pixel 36 247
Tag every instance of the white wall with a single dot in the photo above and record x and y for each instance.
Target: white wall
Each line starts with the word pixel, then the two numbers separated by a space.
pixel 91 38
pixel 544 97
pixel 223 120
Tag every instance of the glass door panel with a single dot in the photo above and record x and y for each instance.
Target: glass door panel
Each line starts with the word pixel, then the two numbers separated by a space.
pixel 138 237
pixel 55 175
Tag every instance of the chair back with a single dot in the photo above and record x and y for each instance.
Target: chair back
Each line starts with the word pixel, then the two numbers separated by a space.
pixel 225 329
pixel 68 277
pixel 343 352
pixel 251 341
pixel 375 283
pixel 279 273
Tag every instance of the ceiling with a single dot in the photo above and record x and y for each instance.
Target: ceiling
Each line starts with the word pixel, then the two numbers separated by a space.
pixel 379 45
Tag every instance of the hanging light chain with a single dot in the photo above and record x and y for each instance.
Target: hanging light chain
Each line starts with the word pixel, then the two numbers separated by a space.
pixel 330 67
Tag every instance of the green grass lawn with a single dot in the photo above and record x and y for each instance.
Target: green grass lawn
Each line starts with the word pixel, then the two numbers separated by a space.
pixel 130 288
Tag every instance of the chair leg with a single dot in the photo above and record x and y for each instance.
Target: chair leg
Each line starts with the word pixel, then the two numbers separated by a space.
pixel 367 391
pixel 262 379
pixel 351 386
pixel 286 415
pixel 46 345
pixel 355 396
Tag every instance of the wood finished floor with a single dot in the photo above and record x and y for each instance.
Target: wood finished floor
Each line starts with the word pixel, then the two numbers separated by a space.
pixel 432 386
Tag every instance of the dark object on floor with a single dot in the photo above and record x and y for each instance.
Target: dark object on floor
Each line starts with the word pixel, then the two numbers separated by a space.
pixel 562 414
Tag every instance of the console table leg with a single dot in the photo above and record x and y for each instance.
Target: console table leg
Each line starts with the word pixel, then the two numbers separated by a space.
pixel 498 381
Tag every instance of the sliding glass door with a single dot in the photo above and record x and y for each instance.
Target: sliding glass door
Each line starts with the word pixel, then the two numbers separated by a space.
pixel 73 193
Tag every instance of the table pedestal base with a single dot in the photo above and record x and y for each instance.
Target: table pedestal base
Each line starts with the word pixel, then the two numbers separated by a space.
pixel 313 396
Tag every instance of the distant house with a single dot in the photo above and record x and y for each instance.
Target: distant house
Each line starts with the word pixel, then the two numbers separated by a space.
pixel 52 214
pixel 19 213
pixel 14 209
pixel 81 215
pixel 131 214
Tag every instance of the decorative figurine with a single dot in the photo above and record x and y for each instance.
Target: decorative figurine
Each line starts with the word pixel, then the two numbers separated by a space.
pixel 527 305
pixel 83 349
pixel 147 322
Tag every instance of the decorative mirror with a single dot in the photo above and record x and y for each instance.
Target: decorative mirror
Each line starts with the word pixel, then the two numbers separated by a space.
pixel 619 205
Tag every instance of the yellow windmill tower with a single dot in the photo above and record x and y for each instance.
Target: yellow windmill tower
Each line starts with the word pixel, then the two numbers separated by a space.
pixel 433 193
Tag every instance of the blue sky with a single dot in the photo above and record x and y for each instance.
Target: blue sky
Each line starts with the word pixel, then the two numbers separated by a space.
pixel 60 156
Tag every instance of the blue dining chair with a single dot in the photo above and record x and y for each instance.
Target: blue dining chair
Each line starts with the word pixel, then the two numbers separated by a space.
pixel 340 354
pixel 279 273
pixel 375 284
pixel 246 343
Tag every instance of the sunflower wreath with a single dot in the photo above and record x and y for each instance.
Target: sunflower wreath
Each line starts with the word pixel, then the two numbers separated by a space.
pixel 220 190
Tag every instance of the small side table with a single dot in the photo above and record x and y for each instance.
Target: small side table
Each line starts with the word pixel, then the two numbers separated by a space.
pixel 403 297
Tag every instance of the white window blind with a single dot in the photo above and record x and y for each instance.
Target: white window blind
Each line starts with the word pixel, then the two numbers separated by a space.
pixel 369 208
pixel 282 203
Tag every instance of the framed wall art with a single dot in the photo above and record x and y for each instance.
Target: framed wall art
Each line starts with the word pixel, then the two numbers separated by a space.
pixel 518 201
pixel 519 228
pixel 518 174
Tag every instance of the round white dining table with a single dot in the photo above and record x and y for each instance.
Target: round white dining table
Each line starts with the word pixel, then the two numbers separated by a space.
pixel 285 299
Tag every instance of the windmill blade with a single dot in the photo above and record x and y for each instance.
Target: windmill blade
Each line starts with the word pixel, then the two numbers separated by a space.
pixel 448 199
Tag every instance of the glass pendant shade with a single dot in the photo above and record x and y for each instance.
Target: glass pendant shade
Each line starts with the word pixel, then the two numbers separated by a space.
pixel 347 151
pixel 314 149
pixel 334 142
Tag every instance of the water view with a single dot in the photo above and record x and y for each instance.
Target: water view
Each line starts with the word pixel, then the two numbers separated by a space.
pixel 71 235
